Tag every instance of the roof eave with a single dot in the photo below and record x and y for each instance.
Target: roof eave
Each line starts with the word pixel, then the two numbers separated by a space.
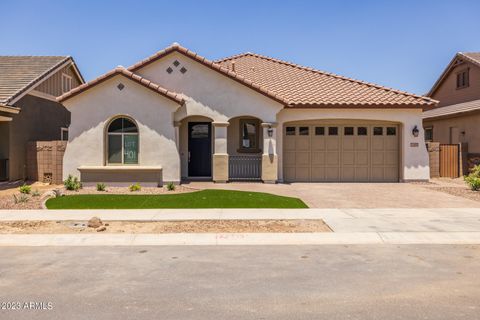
pixel 9 109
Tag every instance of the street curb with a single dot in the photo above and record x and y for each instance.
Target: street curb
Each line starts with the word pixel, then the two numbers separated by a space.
pixel 191 239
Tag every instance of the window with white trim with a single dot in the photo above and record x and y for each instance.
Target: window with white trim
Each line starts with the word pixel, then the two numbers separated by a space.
pixel 122 142
pixel 66 83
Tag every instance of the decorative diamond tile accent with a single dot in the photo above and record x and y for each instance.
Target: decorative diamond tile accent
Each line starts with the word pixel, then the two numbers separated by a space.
pixel 176 63
pixel 169 70
pixel 120 86
pixel 183 70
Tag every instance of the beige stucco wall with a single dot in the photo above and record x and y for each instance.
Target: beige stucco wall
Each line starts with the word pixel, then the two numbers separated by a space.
pixel 469 123
pixel 92 111
pixel 414 160
pixel 209 93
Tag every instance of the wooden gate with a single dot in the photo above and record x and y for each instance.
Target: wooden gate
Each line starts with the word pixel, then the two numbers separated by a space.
pixel 449 160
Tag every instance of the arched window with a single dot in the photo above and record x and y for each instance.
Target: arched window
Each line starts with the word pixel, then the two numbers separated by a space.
pixel 122 142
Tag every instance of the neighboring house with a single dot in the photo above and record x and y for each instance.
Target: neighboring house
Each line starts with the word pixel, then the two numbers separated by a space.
pixel 456 119
pixel 177 116
pixel 29 111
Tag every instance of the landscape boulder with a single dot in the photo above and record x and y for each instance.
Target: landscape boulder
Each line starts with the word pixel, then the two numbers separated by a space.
pixel 95 222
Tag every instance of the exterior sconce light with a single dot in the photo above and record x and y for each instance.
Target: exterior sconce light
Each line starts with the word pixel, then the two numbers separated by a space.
pixel 270 132
pixel 415 131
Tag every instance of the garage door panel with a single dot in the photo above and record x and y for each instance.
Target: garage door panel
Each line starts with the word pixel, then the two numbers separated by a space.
pixel 302 158
pixel 302 174
pixel 318 143
pixel 302 144
pixel 361 158
pixel 342 152
pixel 289 143
pixel 333 143
pixel 318 158
pixel 348 158
pixel 289 159
pixel 332 158
pixel 332 173
pixel 318 174
pixel 361 174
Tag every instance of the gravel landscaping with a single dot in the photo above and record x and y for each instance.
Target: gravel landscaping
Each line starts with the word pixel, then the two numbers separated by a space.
pixel 456 187
pixel 189 226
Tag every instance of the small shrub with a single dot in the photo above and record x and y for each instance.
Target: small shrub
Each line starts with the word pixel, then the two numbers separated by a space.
pixel 36 193
pixel 473 179
pixel 72 183
pixel 21 198
pixel 170 186
pixel 101 187
pixel 135 187
pixel 25 189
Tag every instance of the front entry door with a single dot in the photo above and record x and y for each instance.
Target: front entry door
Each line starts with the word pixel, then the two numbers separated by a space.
pixel 199 149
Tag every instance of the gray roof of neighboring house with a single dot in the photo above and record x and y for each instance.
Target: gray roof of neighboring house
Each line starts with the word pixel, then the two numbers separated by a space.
pixel 452 110
pixel 19 73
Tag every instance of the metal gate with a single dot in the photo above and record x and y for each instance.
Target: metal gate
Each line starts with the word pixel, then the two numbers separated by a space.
pixel 449 160
pixel 245 167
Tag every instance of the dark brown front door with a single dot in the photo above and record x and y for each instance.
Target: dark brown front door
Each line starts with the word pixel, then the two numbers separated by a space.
pixel 199 149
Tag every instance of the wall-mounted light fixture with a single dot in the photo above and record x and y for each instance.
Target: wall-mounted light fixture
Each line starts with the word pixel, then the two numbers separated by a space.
pixel 270 131
pixel 415 131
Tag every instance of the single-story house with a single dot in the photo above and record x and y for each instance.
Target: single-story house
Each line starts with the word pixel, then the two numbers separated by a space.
pixel 456 119
pixel 29 111
pixel 179 116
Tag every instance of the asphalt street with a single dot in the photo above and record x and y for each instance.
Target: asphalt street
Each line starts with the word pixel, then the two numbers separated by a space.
pixel 233 282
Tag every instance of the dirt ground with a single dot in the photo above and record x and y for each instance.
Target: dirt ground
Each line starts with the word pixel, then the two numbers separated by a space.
pixel 8 192
pixel 455 187
pixel 188 226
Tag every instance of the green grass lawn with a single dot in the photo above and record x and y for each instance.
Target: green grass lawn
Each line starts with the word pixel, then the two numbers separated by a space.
pixel 193 200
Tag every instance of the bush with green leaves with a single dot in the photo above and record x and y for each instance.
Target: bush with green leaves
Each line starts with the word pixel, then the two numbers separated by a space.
pixel 21 198
pixel 473 179
pixel 72 183
pixel 135 187
pixel 25 189
pixel 170 186
pixel 36 193
pixel 101 187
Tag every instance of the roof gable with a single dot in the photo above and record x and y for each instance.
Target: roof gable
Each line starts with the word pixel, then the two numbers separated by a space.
pixel 128 74
pixel 18 74
pixel 472 57
pixel 308 87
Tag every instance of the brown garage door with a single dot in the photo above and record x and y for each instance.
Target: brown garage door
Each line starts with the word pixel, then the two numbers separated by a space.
pixel 341 152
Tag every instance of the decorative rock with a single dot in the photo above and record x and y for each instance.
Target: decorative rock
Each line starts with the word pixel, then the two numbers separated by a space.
pixel 95 222
pixel 101 229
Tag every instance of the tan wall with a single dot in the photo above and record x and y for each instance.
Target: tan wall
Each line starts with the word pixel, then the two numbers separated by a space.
pixel 53 85
pixel 447 93
pixel 469 123
pixel 45 161
pixel 434 158
pixel 233 137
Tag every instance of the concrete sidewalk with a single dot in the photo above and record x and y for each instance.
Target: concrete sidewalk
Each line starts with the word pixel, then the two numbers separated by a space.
pixel 350 226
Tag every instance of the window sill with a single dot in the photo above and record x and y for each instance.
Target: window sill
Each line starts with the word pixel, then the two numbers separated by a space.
pixel 120 168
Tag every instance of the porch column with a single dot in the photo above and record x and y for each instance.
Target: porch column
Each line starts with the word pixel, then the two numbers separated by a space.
pixel 269 156
pixel 220 156
pixel 177 125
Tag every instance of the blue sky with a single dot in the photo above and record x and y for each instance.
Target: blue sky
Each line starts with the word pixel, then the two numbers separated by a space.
pixel 400 44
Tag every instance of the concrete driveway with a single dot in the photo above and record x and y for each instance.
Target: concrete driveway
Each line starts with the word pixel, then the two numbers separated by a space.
pixel 354 195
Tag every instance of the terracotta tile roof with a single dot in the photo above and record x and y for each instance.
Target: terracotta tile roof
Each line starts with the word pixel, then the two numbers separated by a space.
pixel 128 74
pixel 18 73
pixel 217 67
pixel 452 110
pixel 307 87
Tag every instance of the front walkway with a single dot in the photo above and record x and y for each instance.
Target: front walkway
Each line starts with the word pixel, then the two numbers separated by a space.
pixel 354 195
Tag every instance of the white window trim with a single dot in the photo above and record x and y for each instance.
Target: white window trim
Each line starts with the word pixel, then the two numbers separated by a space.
pixel 62 130
pixel 66 79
